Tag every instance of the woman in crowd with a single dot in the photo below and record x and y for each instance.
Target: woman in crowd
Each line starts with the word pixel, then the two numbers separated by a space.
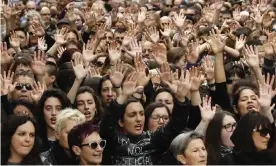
pixel 252 138
pixel 49 107
pixel 88 146
pixel 217 141
pixel 89 104
pixel 189 149
pixel 20 144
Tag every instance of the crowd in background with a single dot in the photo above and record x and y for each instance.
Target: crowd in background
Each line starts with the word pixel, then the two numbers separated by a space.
pixel 142 82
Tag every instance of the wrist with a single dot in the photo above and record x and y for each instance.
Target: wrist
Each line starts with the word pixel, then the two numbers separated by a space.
pixel 180 98
pixel 210 82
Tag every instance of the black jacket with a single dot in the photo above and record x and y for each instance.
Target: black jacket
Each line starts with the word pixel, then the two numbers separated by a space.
pixel 57 156
pixel 250 158
pixel 145 149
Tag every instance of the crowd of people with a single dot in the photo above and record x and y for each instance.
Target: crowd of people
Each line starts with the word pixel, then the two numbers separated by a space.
pixel 144 82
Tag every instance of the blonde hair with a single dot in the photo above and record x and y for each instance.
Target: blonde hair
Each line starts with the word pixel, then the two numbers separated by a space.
pixel 68 114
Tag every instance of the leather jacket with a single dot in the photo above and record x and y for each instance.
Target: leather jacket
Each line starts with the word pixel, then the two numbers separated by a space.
pixel 146 149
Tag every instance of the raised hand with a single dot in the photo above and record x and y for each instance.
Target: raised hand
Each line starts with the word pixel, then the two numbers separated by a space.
pixel 208 14
pixel 236 14
pixel 196 78
pixel 14 40
pixel 153 34
pixel 38 29
pixel 5 56
pixel 267 20
pixel 113 52
pixel 269 84
pixel 38 65
pixel 167 30
pixel 130 85
pixel 142 78
pixel 183 87
pixel 90 19
pixel 159 54
pixel 78 67
pixel 209 69
pixel 117 75
pixel 206 110
pixel 265 97
pixel 135 47
pixel 37 91
pixel 141 16
pixel 41 44
pixel 100 31
pixel 165 73
pixel 94 72
pixel 60 50
pixel 215 41
pixel 179 20
pixel 240 42
pixel 193 53
pixel 60 37
pixel 251 55
pixel 6 83
pixel 88 53
pixel 257 17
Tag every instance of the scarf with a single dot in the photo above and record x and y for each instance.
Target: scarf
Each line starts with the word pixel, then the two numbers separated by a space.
pixel 226 150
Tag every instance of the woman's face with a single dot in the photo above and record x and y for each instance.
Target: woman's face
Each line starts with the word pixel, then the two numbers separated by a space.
pixel 22 141
pixel 71 37
pixel 89 156
pixel 32 20
pixel 247 102
pixel 166 99
pixel 228 127
pixel 51 110
pixel 86 105
pixel 107 92
pixel 159 117
pixel 260 140
pixel 195 153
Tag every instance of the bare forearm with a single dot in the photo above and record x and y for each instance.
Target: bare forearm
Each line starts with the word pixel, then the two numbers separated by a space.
pixel 53 49
pixel 73 91
pixel 202 127
pixel 195 98
pixel 258 74
pixel 219 69
pixel 234 53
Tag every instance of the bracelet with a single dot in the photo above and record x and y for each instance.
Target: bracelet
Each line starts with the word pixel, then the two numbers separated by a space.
pixel 211 85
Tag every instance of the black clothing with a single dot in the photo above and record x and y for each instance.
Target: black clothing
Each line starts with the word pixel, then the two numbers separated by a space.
pixel 145 149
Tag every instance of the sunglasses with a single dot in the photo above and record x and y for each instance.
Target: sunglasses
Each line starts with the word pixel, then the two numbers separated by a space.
pixel 263 132
pixel 94 145
pixel 21 86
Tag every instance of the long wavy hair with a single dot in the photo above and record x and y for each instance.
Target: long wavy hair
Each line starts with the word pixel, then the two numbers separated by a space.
pixel 9 127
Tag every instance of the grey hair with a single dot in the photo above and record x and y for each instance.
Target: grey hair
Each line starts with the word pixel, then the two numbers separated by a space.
pixel 181 142
pixel 33 13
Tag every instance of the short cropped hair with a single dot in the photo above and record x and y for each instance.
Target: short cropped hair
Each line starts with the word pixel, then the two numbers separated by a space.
pixel 68 114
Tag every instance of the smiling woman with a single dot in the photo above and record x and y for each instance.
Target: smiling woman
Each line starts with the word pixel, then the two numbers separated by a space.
pixel 19 143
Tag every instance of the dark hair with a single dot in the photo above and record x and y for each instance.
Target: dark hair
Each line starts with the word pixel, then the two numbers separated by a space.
pixel 160 91
pixel 67 56
pixel 99 108
pixel 9 127
pixel 175 54
pixel 52 68
pixel 27 104
pixel 239 86
pixel 213 137
pixel 231 69
pixel 242 31
pixel 242 136
pixel 23 74
pixel 129 101
pixel 120 30
pixel 61 96
pixel 20 59
pixel 73 42
pixel 75 32
pixel 150 109
pixel 78 133
pixel 102 80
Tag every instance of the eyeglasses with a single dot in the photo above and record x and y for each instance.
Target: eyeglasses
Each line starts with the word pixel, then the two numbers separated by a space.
pixel 94 145
pixel 230 127
pixel 27 87
pixel 263 132
pixel 157 118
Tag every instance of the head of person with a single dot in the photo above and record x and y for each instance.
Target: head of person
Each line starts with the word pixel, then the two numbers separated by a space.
pixel 72 35
pixel 88 103
pixel 68 55
pixel 245 93
pixel 165 97
pixel 119 34
pixel 50 74
pixel 146 51
pixel 22 63
pixel 66 120
pixel 189 149
pixel 109 37
pixel 132 119
pixel 156 115
pixel 33 17
pixel 30 5
pixel 22 35
pixel 49 107
pixel 45 15
pixel 218 134
pixel 21 5
pixel 252 133
pixel 20 142
pixel 86 144
pixel 176 56
pixel 107 91
pixel 24 86
pixel 21 107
